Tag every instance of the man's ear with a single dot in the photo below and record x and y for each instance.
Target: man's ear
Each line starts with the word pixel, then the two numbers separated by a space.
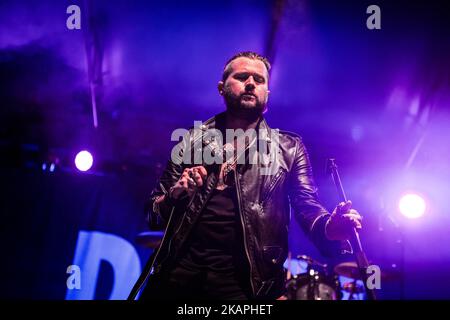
pixel 220 87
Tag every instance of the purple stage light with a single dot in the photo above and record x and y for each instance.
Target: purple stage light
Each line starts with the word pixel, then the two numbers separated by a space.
pixel 84 160
pixel 412 206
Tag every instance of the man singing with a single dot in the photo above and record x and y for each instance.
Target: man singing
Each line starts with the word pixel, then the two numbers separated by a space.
pixel 226 224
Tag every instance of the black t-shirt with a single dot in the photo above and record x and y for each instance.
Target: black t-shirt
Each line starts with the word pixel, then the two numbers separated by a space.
pixel 216 242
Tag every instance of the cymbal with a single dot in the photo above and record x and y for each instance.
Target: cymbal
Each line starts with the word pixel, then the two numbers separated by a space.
pixel 350 270
pixel 347 269
pixel 149 239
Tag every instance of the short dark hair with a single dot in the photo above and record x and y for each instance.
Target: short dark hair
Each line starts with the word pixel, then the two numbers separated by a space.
pixel 246 54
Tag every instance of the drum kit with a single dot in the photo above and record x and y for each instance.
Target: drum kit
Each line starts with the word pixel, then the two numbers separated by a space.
pixel 317 283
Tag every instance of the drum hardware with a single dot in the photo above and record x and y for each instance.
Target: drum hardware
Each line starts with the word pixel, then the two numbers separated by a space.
pixel 315 284
pixel 353 288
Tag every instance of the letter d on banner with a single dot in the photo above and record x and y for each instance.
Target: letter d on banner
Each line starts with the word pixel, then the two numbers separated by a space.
pixel 94 246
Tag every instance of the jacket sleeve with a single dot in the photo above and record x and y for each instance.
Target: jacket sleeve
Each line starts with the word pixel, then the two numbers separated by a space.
pixel 309 213
pixel 158 212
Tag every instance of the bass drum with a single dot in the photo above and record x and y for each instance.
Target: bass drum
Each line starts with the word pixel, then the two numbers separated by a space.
pixel 313 286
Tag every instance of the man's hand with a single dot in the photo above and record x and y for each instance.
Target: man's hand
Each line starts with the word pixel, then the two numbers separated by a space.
pixel 190 180
pixel 342 221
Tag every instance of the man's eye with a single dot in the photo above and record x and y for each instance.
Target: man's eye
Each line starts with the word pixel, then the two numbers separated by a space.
pixel 241 77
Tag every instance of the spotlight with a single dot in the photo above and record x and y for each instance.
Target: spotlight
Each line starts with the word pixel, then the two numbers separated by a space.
pixel 412 206
pixel 84 160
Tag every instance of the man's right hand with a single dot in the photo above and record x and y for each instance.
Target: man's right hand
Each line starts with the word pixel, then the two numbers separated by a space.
pixel 190 180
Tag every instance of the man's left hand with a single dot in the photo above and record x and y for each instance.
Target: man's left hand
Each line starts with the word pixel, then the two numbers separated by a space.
pixel 342 221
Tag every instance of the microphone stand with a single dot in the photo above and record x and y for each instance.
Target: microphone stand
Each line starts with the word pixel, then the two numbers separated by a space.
pixel 355 241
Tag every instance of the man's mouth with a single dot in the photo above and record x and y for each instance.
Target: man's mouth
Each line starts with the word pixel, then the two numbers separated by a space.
pixel 248 96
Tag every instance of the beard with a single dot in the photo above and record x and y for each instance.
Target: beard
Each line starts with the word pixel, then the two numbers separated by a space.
pixel 252 107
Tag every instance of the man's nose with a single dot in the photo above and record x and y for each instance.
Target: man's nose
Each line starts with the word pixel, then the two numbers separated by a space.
pixel 250 84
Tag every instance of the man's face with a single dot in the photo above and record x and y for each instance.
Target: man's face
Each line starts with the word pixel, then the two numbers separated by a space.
pixel 246 88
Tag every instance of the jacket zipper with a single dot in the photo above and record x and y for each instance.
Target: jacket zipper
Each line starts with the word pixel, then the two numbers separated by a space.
pixel 273 185
pixel 238 187
pixel 179 227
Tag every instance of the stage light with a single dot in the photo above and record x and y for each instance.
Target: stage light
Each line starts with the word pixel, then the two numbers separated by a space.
pixel 48 166
pixel 412 206
pixel 84 160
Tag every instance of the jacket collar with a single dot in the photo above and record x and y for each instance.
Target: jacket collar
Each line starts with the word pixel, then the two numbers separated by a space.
pixel 214 121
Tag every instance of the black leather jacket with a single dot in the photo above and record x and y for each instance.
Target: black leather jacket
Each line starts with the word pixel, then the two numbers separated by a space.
pixel 265 206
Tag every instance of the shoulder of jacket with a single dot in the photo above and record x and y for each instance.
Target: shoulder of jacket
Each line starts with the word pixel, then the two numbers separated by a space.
pixel 290 135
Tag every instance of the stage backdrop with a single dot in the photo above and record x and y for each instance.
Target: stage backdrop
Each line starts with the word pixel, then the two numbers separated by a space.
pixel 71 235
